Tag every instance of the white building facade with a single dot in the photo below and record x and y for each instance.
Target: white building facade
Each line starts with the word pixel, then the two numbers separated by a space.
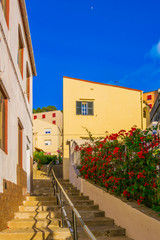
pixel 17 67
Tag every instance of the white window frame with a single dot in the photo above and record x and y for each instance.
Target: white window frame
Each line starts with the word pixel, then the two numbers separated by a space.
pixel 47 131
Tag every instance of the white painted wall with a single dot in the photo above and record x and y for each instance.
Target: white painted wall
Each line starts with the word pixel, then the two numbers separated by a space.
pixel 18 105
pixel 28 169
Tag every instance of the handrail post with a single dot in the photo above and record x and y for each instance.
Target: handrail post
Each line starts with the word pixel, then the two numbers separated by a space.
pixel 61 199
pixel 54 191
pixel 75 237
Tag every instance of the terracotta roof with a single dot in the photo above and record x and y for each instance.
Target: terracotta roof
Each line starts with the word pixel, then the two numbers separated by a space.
pixel 103 84
pixel 39 149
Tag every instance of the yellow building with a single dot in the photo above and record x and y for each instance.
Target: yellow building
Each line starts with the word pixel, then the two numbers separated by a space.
pixel 150 98
pixel 99 108
pixel 46 136
pixel 53 117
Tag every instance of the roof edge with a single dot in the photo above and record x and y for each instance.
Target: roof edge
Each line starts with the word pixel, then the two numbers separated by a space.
pixel 22 5
pixel 103 84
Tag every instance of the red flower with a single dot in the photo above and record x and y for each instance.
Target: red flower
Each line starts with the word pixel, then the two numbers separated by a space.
pixel 86 176
pixel 126 193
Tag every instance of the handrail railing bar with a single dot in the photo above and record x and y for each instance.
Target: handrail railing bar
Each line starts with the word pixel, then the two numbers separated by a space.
pixel 84 226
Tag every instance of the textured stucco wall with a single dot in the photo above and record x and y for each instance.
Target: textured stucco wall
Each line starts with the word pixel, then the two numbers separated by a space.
pixel 49 117
pixel 15 86
pixel 115 108
pixel 39 136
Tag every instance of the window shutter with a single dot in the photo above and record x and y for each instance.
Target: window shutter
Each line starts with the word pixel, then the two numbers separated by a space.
pixel 90 108
pixel 78 107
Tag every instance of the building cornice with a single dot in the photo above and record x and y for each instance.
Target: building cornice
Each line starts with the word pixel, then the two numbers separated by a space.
pixel 23 9
pixel 105 84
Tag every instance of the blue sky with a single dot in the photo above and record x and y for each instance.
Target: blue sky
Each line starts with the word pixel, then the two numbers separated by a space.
pixel 115 42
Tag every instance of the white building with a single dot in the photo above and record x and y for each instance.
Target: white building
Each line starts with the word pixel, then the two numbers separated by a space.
pixel 17 67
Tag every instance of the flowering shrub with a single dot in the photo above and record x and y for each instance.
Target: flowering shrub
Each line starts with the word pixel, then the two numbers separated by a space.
pixel 125 164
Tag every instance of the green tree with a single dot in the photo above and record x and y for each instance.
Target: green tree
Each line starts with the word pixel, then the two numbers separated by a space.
pixel 44 109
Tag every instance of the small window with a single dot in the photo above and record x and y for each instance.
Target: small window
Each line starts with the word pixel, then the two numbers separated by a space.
pixel 54 115
pixel 43 116
pixel 28 82
pixel 47 142
pixel 144 113
pixel 54 122
pixel 149 97
pixel 20 52
pixel 84 108
pixel 47 131
pixel 20 144
pixel 35 117
pixel 3 121
pixel 5 7
pixel 150 105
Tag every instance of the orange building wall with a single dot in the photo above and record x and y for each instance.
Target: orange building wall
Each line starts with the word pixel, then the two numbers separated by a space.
pixel 151 101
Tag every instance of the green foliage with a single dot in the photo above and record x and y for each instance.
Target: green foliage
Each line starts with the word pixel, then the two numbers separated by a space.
pixel 59 159
pixel 42 159
pixel 125 164
pixel 45 109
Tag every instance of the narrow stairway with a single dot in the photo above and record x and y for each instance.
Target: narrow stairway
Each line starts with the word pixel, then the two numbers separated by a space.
pixel 39 218
pixel 102 227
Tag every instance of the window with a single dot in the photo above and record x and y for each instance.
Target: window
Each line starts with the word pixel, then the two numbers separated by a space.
pixel 20 52
pixel 3 121
pixel 47 131
pixel 84 108
pixel 5 7
pixel 28 82
pixel 54 115
pixel 43 116
pixel 150 105
pixel 35 117
pixel 144 113
pixel 20 144
pixel 54 122
pixel 149 97
pixel 48 142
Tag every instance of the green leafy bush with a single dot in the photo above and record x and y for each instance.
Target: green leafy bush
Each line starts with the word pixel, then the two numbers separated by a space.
pixel 126 164
pixel 42 159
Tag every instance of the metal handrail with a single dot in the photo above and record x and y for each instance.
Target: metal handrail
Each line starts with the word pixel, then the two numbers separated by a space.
pixel 75 213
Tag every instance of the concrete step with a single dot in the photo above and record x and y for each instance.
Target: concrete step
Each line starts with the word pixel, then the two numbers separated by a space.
pixel 43 194
pixel 75 198
pixel 89 214
pixel 98 221
pixel 106 238
pixel 41 198
pixel 35 215
pixel 102 231
pixel 54 202
pixel 70 191
pixel 25 208
pixel 36 234
pixel 40 203
pixel 43 188
pixel 31 223
pixel 83 207
pixel 70 187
